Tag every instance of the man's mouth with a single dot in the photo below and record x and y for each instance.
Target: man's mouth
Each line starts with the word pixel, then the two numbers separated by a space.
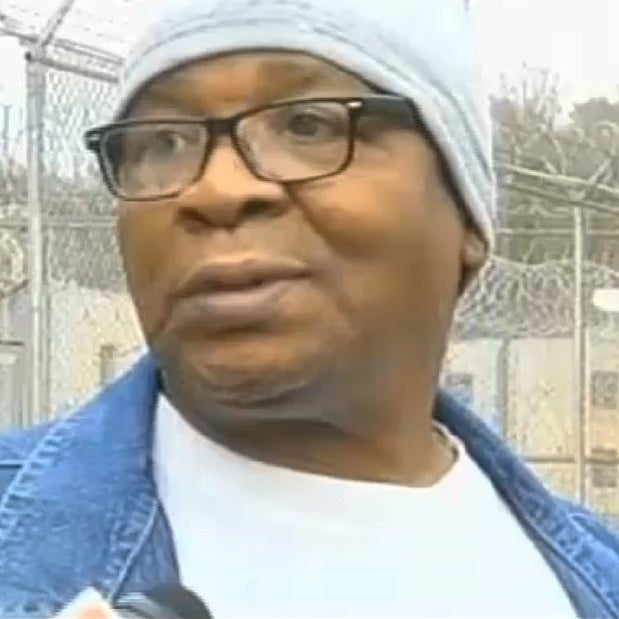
pixel 237 291
pixel 240 273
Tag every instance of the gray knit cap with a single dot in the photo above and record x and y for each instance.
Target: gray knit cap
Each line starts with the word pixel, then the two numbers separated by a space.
pixel 424 50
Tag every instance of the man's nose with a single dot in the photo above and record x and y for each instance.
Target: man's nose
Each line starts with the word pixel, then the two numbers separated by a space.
pixel 229 193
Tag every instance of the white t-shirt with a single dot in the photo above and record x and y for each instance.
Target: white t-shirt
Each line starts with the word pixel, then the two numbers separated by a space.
pixel 256 540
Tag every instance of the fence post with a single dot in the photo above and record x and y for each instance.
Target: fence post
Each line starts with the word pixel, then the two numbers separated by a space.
pixel 34 110
pixel 581 339
pixel 38 345
pixel 580 357
pixel 107 363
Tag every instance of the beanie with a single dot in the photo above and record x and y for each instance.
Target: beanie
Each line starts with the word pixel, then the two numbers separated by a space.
pixel 423 50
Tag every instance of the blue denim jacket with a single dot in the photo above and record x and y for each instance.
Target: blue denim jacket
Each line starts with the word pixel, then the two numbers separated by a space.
pixel 79 508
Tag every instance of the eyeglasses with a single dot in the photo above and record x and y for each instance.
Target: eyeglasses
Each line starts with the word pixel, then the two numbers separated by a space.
pixel 289 142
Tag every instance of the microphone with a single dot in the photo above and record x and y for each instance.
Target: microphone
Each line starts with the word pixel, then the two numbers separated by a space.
pixel 163 602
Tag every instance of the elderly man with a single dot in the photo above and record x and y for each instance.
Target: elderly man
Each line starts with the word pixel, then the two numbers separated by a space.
pixel 304 190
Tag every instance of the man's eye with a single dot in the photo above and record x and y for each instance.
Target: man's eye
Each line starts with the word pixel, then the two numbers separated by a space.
pixel 314 125
pixel 164 143
pixel 307 125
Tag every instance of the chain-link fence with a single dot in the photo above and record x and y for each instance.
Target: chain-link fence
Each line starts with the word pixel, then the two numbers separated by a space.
pixel 531 350
pixel 89 316
pixel 66 319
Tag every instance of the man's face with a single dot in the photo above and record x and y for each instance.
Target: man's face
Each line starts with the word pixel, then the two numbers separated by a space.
pixel 291 282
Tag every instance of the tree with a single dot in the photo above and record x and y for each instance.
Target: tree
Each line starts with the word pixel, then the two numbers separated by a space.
pixel 588 114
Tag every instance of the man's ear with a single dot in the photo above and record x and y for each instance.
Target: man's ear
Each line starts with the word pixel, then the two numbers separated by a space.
pixel 472 256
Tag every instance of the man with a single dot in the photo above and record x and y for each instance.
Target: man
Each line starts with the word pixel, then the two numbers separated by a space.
pixel 304 190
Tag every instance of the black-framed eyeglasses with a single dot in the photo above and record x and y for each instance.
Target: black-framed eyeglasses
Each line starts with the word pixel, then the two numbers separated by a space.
pixel 286 142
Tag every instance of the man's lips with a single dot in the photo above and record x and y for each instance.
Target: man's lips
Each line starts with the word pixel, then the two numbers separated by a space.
pixel 235 293
pixel 238 274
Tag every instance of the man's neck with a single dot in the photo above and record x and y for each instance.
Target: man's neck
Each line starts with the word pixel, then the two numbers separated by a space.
pixel 409 451
pixel 320 450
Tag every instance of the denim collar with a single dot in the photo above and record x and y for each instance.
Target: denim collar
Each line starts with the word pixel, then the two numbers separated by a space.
pixel 84 505
pixel 84 501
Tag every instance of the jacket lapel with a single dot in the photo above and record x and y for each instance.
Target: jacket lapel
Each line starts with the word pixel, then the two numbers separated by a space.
pixel 82 507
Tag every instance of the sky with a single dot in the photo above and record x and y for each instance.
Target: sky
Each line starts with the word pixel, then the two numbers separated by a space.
pixel 577 39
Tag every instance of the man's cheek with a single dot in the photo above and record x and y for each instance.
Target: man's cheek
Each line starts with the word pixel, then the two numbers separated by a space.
pixel 362 226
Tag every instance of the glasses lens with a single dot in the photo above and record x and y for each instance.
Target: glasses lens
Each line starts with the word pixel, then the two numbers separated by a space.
pixel 298 140
pixel 153 159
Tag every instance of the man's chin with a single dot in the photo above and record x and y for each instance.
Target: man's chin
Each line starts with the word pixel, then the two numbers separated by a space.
pixel 258 390
pixel 259 399
pixel 248 382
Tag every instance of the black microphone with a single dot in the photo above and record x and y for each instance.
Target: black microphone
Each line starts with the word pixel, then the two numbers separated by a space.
pixel 164 602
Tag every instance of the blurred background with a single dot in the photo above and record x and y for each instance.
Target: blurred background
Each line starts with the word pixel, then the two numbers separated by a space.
pixel 536 342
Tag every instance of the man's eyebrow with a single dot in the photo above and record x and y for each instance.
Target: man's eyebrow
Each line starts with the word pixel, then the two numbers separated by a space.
pixel 293 76
pixel 281 78
pixel 162 97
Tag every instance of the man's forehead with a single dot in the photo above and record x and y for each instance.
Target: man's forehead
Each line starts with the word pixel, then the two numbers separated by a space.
pixel 263 76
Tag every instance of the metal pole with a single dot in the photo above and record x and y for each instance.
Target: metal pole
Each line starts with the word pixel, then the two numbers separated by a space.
pixel 38 348
pixel 580 358
pixel 51 27
pixel 12 28
pixel 581 347
pixel 34 79
pixel 108 353
pixel 93 74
